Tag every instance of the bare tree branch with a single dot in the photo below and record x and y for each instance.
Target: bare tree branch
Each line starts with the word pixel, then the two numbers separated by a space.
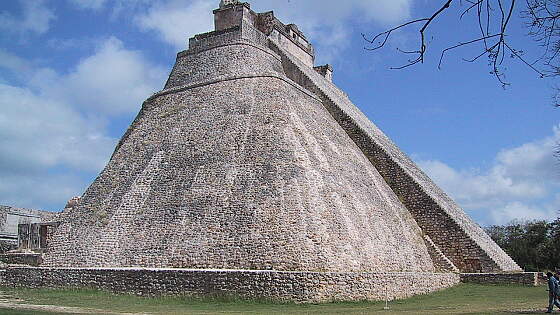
pixel 495 46
pixel 421 52
pixel 387 34
pixel 463 44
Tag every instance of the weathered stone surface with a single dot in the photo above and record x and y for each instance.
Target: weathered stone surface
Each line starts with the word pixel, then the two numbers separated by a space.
pixel 250 159
pixel 523 278
pixel 29 259
pixel 249 172
pixel 250 284
pixel 461 239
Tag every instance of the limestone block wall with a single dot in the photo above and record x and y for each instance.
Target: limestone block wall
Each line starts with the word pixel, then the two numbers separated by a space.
pixel 307 287
pixel 256 161
pixel 441 262
pixel 3 216
pixel 233 15
pixel 216 62
pixel 262 180
pixel 244 170
pixel 457 236
pixel 288 44
pixel 520 278
pixel 288 36
pixel 245 31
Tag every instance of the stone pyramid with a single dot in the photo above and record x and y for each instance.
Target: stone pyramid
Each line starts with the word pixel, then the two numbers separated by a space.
pixel 250 158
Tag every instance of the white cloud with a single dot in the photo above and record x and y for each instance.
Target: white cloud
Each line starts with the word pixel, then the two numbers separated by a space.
pixel 89 4
pixel 175 21
pixel 12 62
pixel 520 183
pixel 325 22
pixel 52 131
pixel 333 12
pixel 328 23
pixel 41 190
pixel 532 160
pixel 113 81
pixel 481 189
pixel 40 133
pixel 36 18
pixel 45 145
pixel 517 210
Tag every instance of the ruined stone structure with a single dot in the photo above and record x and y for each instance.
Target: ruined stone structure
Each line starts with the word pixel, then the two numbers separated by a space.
pixel 24 234
pixel 251 160
pixel 10 220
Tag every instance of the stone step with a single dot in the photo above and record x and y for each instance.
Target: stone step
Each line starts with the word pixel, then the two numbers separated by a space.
pixel 443 262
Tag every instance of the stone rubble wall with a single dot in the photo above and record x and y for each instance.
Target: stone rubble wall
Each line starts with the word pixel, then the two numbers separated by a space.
pixel 306 287
pixel 28 259
pixel 10 217
pixel 521 278
pixel 462 240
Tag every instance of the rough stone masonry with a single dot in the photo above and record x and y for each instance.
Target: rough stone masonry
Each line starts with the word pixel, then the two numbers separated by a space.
pixel 251 160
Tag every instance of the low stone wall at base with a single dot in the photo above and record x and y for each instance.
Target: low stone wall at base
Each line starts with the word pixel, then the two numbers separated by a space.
pixel 30 259
pixel 522 278
pixel 248 284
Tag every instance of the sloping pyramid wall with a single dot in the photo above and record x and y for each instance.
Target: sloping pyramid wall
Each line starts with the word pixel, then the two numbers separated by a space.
pixel 461 240
pixel 235 166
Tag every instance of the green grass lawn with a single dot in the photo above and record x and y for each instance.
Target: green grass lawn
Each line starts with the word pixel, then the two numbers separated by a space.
pixel 6 311
pixel 462 299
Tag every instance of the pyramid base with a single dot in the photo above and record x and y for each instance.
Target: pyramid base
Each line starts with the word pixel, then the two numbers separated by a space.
pixel 505 278
pixel 302 287
pixel 21 258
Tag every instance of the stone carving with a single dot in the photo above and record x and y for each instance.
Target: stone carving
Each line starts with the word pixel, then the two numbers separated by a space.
pixel 11 218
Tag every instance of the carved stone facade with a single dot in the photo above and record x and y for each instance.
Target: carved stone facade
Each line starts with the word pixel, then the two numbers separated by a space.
pixel 11 218
pixel 35 236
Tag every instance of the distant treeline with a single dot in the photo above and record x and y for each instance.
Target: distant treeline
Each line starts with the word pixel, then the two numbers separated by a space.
pixel 534 245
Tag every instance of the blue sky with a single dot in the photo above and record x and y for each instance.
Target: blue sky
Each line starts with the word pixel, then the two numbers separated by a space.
pixel 73 75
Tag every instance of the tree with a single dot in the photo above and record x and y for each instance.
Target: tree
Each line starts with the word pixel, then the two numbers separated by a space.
pixel 532 244
pixel 492 18
pixel 550 250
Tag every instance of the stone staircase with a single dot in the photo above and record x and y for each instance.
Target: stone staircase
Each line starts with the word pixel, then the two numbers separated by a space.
pixel 381 150
pixel 441 262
